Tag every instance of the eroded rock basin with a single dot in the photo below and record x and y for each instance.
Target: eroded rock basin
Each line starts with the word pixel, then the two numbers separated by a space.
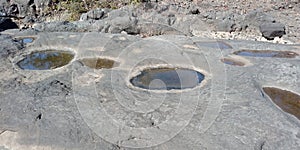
pixel 25 40
pixel 233 62
pixel 286 100
pixel 266 53
pixel 45 60
pixel 99 63
pixel 167 79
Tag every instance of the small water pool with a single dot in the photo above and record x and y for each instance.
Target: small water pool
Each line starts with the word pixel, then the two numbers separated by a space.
pixel 99 63
pixel 266 53
pixel 167 79
pixel 45 60
pixel 286 100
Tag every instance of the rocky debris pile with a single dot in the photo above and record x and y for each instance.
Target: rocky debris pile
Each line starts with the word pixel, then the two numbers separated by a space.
pixel 182 17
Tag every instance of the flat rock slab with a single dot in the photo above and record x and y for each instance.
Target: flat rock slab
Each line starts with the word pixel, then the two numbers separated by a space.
pixel 78 107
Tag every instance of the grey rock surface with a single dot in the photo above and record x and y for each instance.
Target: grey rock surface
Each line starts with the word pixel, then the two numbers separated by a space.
pixel 226 25
pixel 258 17
pixel 76 107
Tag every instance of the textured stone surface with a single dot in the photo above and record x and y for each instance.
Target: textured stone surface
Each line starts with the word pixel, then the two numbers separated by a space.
pixel 76 107
pixel 82 107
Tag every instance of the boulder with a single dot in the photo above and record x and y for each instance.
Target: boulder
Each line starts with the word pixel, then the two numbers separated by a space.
pixel 272 30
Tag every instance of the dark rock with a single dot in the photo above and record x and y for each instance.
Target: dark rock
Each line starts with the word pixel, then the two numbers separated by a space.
pixel 6 23
pixel 272 30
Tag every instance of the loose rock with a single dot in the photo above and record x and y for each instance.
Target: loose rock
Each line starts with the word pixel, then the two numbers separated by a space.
pixel 272 30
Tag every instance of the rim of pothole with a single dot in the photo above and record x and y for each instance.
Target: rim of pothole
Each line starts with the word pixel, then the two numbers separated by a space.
pixel 138 70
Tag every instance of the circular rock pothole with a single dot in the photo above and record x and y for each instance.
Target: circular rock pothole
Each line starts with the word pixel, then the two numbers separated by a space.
pixel 167 79
pixel 288 101
pixel 266 53
pixel 99 63
pixel 45 60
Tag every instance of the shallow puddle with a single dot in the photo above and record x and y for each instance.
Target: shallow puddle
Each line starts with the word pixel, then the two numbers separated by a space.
pixel 99 63
pixel 230 61
pixel 266 53
pixel 167 79
pixel 25 40
pixel 44 60
pixel 286 100
pixel 215 44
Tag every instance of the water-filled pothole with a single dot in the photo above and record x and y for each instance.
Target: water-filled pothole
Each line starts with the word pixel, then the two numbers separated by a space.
pixel 25 40
pixel 215 44
pixel 233 62
pixel 167 79
pixel 266 53
pixel 286 100
pixel 99 63
pixel 44 60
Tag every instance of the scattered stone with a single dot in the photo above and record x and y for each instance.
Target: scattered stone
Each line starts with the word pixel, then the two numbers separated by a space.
pixel 95 14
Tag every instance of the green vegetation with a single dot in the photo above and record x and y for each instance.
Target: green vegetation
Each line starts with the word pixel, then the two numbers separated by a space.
pixel 76 7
